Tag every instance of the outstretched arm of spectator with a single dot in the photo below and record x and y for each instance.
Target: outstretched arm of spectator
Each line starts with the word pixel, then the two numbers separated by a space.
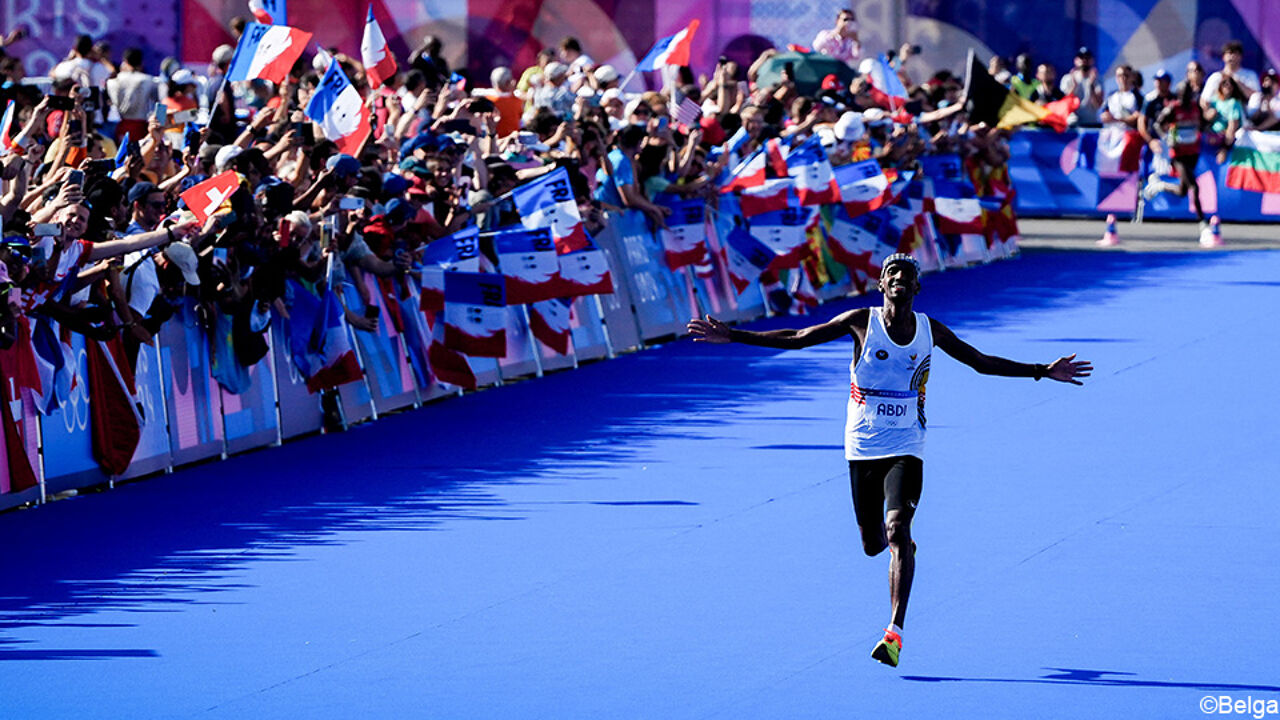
pixel 15 167
pixel 142 241
pixel 35 124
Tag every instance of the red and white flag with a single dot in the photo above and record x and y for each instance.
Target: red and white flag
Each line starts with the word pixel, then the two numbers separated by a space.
pixel 956 216
pixel 863 187
pixel 379 64
pixel 550 322
pixel 475 314
pixel 769 196
pixel 585 272
pixel 209 196
pixel 684 239
pixel 784 233
pixel 688 113
pixel 114 410
pixel 449 365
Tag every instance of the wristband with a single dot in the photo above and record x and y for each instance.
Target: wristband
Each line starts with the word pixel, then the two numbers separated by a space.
pixel 1040 371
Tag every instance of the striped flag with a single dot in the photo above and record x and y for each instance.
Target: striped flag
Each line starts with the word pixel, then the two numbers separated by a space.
pixel 550 322
pixel 269 12
pixel 337 107
pixel 459 251
pixel 379 64
pixel 670 50
pixel 1254 163
pixel 684 239
pixel 267 52
pixel 528 260
pixel 815 180
pixel 688 113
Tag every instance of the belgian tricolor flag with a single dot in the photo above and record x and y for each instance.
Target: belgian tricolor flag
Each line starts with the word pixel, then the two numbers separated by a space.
pixel 993 103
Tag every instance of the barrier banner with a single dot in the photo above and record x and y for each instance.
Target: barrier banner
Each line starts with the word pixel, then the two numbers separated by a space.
pixel 249 417
pixel 619 319
pixel 65 434
pixel 192 398
pixel 684 239
pixel 383 356
pixel 587 330
pixel 519 360
pixel 299 408
pixel 153 453
pixel 20 464
pixel 1057 174
pixel 653 291
pixel 416 336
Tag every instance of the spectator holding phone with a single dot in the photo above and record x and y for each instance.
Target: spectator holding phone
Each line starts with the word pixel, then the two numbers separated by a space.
pixel 1264 105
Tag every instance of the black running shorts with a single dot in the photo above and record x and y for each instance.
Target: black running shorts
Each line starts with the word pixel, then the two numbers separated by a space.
pixel 886 484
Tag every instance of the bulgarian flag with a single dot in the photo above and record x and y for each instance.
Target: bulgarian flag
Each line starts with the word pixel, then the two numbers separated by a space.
pixel 1254 164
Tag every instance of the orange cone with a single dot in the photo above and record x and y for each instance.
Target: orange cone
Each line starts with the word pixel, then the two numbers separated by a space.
pixel 1110 238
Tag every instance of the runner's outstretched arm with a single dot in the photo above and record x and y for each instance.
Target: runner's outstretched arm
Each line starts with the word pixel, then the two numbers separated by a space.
pixel 713 331
pixel 1064 369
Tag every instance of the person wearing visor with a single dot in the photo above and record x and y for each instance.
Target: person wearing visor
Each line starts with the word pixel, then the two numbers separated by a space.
pixel 885 426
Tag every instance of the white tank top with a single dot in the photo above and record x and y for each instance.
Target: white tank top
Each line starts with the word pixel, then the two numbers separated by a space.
pixel 886 393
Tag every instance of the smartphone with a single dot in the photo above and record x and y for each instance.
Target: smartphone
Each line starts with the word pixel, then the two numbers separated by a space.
pixel 47 230
pixel 182 118
pixel 77 129
pixel 61 102
pixel 100 167
pixel 458 125
pixel 351 203
pixel 161 113
pixel 482 105
pixel 191 140
pixel 663 123
pixel 285 229
pixel 372 311
pixel 76 178
pixel 306 132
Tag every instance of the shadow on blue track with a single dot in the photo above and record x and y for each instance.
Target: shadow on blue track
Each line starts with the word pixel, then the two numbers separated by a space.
pixel 151 546
pixel 1099 678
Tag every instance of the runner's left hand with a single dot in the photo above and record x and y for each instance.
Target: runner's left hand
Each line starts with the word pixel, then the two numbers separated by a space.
pixel 1066 369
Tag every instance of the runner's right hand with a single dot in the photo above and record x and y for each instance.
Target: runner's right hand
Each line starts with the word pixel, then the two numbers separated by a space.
pixel 708 330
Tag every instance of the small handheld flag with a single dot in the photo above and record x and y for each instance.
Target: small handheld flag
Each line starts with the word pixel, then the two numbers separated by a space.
pixel 670 50
pixel 269 12
pixel 267 52
pixel 337 107
pixel 379 65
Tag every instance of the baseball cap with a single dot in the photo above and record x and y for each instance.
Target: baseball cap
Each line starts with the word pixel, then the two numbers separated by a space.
pixel 900 258
pixel 712 131
pixel 181 255
pixel 394 184
pixel 343 165
pixel 850 127
pixel 183 76
pixel 556 69
pixel 606 74
pixel 225 155
pixel 140 191
pixel 1161 74
pixel 831 82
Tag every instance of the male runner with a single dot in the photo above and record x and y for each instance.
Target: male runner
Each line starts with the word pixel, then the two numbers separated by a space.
pixel 884 433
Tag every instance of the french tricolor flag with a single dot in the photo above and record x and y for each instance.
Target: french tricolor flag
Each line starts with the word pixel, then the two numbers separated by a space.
pixel 475 314
pixel 320 345
pixel 267 52
pixel 808 165
pixel 449 365
pixel 379 65
pixel 459 251
pixel 269 12
pixel 670 50
pixel 548 202
pixel 886 87
pixel 528 259
pixel 749 173
pixel 745 258
pixel 336 106
pixel 550 321
pixel 865 187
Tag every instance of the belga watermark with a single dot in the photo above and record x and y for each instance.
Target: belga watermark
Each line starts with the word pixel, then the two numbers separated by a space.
pixel 1228 705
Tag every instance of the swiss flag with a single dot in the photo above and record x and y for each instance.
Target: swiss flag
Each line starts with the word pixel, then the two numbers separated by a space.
pixel 204 199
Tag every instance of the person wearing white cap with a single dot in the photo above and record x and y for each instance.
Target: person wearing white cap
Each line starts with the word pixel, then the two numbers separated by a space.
pixel 225 155
pixel 182 92
pixel 554 93
pixel 606 77
pixel 885 426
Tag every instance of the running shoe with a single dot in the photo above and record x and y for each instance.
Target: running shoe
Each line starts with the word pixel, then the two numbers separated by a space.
pixel 888 649
pixel 1154 187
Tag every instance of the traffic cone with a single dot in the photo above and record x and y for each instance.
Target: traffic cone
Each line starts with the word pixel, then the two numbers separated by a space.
pixel 1110 238
pixel 1211 237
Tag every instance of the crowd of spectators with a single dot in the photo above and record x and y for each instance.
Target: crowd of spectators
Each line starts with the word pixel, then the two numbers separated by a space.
pixel 95 239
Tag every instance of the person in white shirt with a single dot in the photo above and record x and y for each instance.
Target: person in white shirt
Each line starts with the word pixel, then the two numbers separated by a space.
pixel 1246 80
pixel 840 42
pixel 1083 82
pixel 1264 105
pixel 82 66
pixel 134 95
pixel 1123 106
